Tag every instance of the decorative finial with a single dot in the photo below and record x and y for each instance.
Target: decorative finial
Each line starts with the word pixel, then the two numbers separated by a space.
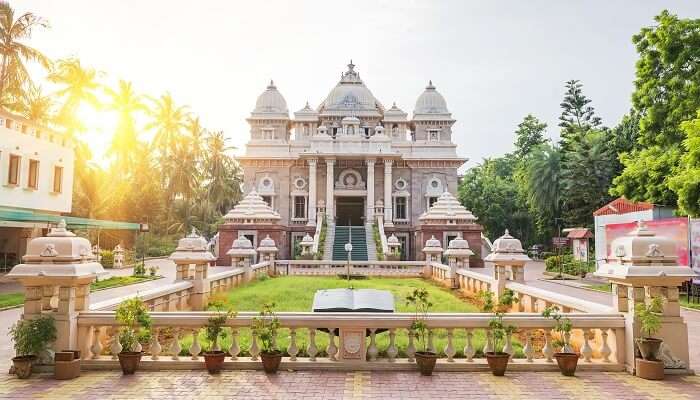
pixel 271 85
pixel 507 233
pixel 430 85
pixel 62 224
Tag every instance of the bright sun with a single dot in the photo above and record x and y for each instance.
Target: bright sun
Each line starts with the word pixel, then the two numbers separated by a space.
pixel 99 129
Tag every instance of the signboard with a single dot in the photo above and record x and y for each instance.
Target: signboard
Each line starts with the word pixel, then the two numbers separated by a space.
pixel 695 244
pixel 559 241
pixel 580 249
pixel 674 228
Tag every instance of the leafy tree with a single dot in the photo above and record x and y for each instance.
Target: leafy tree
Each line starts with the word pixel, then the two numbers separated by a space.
pixel 667 92
pixel 14 53
pixel 577 116
pixel 530 133
pixel 686 183
pixel 586 177
pixel 542 177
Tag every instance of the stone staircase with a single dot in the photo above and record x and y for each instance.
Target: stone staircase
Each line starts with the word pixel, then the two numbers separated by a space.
pixel 358 240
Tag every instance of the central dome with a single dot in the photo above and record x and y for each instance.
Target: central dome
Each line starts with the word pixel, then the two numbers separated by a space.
pixel 350 94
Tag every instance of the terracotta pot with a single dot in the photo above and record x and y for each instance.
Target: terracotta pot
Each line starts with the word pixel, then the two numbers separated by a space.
pixel 567 363
pixel 271 361
pixel 426 362
pixel 648 347
pixel 214 360
pixel 648 369
pixel 129 361
pixel 23 366
pixel 498 362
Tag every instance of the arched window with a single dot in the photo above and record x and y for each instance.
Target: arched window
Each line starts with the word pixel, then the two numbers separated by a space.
pixel 394 130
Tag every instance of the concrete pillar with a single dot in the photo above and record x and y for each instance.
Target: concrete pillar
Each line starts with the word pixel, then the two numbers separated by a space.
pixel 66 319
pixel 330 201
pixel 247 270
pixel 312 192
pixel 388 203
pixel 369 216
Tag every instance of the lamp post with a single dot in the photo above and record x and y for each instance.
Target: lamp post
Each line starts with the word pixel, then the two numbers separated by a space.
pixel 143 228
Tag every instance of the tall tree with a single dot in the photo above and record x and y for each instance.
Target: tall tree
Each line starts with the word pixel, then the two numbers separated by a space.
pixel 686 183
pixel 586 177
pixel 222 174
pixel 127 104
pixel 667 92
pixel 79 85
pixel 37 106
pixel 542 178
pixel 168 121
pixel 14 52
pixel 577 116
pixel 530 134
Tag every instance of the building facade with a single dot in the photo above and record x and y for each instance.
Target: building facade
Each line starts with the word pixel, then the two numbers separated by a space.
pixel 36 177
pixel 353 160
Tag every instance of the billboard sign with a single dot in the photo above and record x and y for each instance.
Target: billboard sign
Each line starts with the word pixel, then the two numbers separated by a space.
pixel 674 228
pixel 695 244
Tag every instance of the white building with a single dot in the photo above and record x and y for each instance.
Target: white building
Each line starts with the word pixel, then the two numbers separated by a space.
pixel 36 181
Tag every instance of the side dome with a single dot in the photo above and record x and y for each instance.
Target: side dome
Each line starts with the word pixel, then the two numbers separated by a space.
pixel 431 103
pixel 271 102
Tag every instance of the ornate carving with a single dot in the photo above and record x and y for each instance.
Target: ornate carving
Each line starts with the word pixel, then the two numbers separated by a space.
pixel 49 251
pixel 353 344
pixel 654 251
pixel 620 251
pixel 350 179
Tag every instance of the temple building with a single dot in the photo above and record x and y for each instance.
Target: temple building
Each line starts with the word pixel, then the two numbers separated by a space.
pixel 356 164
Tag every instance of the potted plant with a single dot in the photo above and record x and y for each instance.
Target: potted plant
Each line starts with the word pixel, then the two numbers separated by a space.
pixel 649 316
pixel 31 337
pixel 567 360
pixel 133 314
pixel 265 327
pixel 425 358
pixel 497 358
pixel 214 357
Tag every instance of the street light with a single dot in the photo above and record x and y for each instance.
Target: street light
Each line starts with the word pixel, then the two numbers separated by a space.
pixel 348 249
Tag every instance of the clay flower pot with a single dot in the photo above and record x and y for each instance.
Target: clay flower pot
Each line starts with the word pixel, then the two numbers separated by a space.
pixel 271 361
pixel 498 362
pixel 648 347
pixel 426 362
pixel 648 369
pixel 214 360
pixel 567 363
pixel 129 361
pixel 23 366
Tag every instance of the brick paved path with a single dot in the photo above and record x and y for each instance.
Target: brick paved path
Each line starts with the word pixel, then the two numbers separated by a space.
pixel 348 385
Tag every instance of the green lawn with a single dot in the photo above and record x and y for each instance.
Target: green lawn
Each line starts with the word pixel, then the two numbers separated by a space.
pixel 117 281
pixel 8 300
pixel 603 287
pixel 295 293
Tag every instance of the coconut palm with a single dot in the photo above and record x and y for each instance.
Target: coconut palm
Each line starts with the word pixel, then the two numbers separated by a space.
pixel 222 173
pixel 543 183
pixel 78 86
pixel 126 103
pixel 37 106
pixel 168 121
pixel 196 134
pixel 14 53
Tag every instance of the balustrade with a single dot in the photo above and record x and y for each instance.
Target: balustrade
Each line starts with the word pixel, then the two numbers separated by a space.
pixel 597 337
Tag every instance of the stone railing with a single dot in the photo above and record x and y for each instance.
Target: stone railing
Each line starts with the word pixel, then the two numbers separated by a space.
pixel 531 299
pixel 317 233
pixel 225 280
pixel 172 297
pixel 382 235
pixel 317 341
pixel 366 268
pixel 440 272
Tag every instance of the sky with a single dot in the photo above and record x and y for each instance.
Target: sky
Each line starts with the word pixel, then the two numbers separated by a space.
pixel 493 61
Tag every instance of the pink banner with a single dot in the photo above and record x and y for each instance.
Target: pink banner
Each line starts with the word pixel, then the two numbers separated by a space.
pixel 674 228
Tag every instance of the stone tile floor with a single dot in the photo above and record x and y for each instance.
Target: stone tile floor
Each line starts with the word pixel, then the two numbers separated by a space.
pixel 348 385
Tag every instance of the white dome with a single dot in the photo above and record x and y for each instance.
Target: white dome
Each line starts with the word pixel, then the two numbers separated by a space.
pixel 271 101
pixel 350 94
pixel 430 102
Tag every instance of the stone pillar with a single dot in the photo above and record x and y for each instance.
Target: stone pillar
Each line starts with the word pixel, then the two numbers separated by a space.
pixel 66 319
pixel 330 200
pixel 312 192
pixel 201 287
pixel 500 277
pixel 247 270
pixel 32 301
pixel 388 203
pixel 369 216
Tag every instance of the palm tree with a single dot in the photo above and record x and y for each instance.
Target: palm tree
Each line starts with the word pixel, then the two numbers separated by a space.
pixel 168 121
pixel 126 103
pixel 543 183
pixel 79 86
pixel 13 72
pixel 37 106
pixel 197 137
pixel 222 173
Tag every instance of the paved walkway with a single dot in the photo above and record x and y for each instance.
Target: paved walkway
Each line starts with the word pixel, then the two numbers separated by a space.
pixel 349 385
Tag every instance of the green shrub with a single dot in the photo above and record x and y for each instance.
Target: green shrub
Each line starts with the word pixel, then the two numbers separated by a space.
pixel 139 269
pixel 133 314
pixel 569 265
pixel 107 258
pixel 32 336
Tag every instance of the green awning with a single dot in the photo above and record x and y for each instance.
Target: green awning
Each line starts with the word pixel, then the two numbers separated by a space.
pixel 75 222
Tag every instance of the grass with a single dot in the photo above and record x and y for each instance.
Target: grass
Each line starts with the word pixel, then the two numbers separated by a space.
pixel 9 300
pixel 601 287
pixel 117 281
pixel 295 293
